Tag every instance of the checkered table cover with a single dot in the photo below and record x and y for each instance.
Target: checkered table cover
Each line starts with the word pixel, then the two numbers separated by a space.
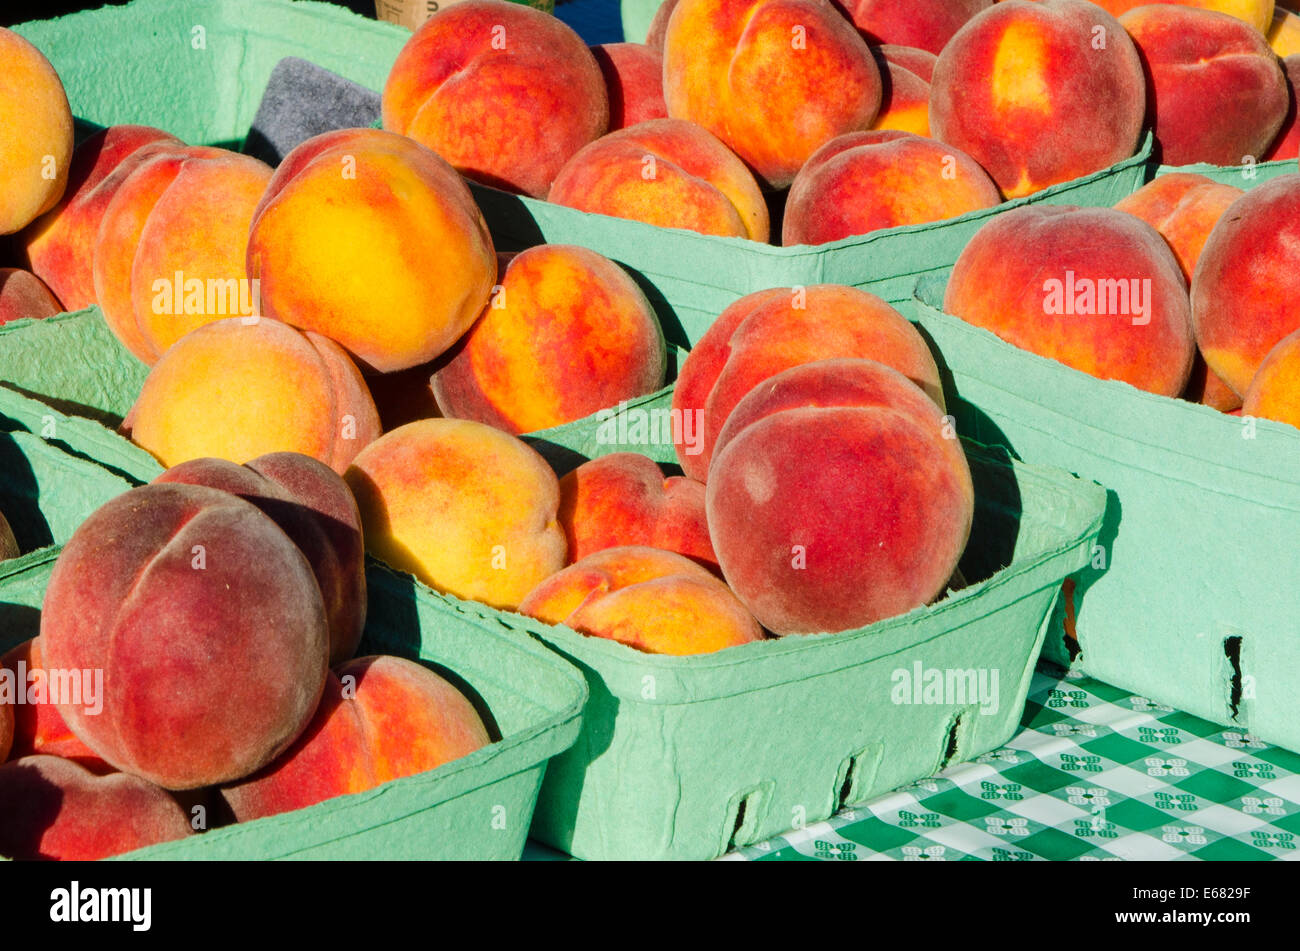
pixel 1095 773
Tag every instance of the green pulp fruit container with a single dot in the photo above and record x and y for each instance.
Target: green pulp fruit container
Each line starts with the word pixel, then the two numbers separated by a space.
pixel 1187 598
pixel 688 757
pixel 1241 176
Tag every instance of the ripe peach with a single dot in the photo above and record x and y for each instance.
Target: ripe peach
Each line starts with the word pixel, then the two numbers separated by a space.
pixel 905 95
pixel 764 333
pixel 1184 208
pixel 568 334
pixel 1026 91
pixel 1287 143
pixel 755 73
pixel 374 241
pixel 466 508
pixel 836 498
pixel 918 62
pixel 1284 33
pixel 659 26
pixel 238 389
pixel 1258 13
pixel 865 181
pixel 504 93
pixel 925 24
pixel 209 628
pixel 634 83
pixel 1274 393
pixel 24 296
pixel 666 172
pixel 1207 388
pixel 35 134
pixel 656 601
pixel 38 728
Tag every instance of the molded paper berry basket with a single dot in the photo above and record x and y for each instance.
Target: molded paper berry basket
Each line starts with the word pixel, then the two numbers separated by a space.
pixel 1190 598
pixel 688 757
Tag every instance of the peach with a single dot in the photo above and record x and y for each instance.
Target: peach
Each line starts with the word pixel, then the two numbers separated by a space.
pixel 1184 208
pixel 925 24
pixel 8 544
pixel 209 628
pixel 634 83
pixel 1214 88
pixel 35 134
pixel 1287 143
pixel 504 93
pixel 1026 91
pixel 466 508
pixel 313 506
pixel 865 181
pixel 381 718
pixel 1243 298
pixel 756 73
pixel 1258 13
pixel 659 26
pixel 918 62
pixel 38 728
pixel 60 245
pixel 764 333
pixel 1274 393
pixel 1284 33
pixel 1207 388
pixel 655 601
pixel 666 172
pixel 1094 288
pixel 238 389
pixel 23 295
pixel 625 499
pixel 374 241
pixel 52 808
pixel 568 334
pixel 837 497
pixel 905 95
pixel 169 257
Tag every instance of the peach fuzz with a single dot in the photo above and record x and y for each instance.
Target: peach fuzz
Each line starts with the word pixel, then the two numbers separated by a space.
pixel 915 61
pixel 60 245
pixel 666 172
pixel 1274 393
pixel 634 83
pixel 866 181
pixel 655 601
pixel 625 499
pixel 38 728
pixel 837 497
pixel 1094 288
pixel 466 508
pixel 1207 388
pixel 238 389
pixel 374 241
pixel 1287 143
pixel 1184 208
pixel 209 628
pixel 1243 291
pixel 313 506
pixel 169 256
pixel 23 296
pixel 1024 91
pixel 503 92
pixel 1258 13
pixel 54 809
pixel 381 718
pixel 1214 88
pixel 755 74
pixel 659 26
pixel 35 134
pixel 765 333
pixel 924 24
pixel 568 334
pixel 905 95
pixel 1284 33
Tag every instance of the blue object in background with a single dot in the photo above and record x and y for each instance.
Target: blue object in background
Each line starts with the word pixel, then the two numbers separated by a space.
pixel 596 21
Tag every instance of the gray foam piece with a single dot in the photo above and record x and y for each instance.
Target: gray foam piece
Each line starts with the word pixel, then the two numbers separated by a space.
pixel 303 100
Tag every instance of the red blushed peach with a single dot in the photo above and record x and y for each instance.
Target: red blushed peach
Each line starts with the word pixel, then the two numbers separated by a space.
pixel 925 24
pixel 865 181
pixel 35 134
pixel 313 506
pixel 764 333
pixel 1207 388
pixel 238 389
pixel 1184 208
pixel 905 97
pixel 1243 291
pixel 568 334
pixel 659 26
pixel 381 718
pixel 1029 92
pixel 23 296
pixel 1214 88
pixel 634 83
pixel 52 808
pixel 1097 289
pixel 38 728
pixel 656 601
pixel 835 499
pixel 60 245
pixel 1258 13
pixel 374 241
pixel 755 74
pixel 504 93
pixel 666 172
pixel 207 624
pixel 918 62
pixel 466 508
pixel 1287 143
pixel 1274 393
pixel 625 499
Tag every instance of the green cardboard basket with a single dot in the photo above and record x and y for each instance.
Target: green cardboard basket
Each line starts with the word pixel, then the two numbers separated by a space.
pixel 1187 597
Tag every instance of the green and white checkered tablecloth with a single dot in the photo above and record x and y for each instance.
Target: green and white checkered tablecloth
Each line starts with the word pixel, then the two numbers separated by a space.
pixel 1095 773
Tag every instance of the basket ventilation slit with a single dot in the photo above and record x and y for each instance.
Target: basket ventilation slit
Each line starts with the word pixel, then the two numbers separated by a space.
pixel 950 744
pixel 1232 650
